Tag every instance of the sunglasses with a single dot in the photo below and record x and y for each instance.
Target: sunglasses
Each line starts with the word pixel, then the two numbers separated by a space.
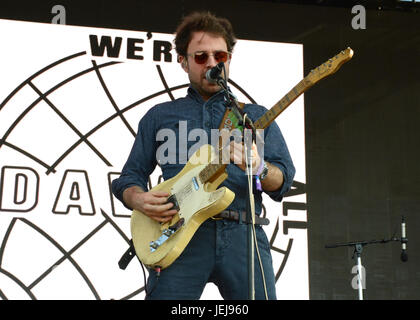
pixel 201 57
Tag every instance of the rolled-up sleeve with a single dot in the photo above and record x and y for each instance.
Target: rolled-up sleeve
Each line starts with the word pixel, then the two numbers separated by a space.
pixel 141 161
pixel 277 153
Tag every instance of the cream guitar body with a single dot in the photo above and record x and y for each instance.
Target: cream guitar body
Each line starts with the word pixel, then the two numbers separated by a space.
pixel 156 244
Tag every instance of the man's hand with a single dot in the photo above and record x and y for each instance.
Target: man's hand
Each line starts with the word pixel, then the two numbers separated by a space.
pixel 273 181
pixel 152 203
pixel 238 157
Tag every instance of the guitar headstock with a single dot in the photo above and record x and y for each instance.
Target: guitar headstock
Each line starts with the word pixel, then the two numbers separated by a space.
pixel 329 67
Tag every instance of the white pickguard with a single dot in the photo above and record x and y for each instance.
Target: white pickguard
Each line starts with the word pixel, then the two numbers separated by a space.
pixel 191 194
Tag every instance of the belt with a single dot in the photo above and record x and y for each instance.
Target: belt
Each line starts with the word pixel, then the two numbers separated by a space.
pixel 235 215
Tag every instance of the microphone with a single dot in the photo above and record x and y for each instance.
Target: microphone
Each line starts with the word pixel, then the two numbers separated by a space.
pixel 213 74
pixel 404 241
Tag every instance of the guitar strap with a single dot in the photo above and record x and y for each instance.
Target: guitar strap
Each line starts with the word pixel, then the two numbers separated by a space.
pixel 229 121
pixel 127 256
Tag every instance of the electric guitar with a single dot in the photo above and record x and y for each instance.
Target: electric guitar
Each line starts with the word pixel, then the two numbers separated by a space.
pixel 194 190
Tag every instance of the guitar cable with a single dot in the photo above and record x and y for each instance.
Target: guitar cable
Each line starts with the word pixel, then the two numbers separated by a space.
pixel 252 206
pixel 157 270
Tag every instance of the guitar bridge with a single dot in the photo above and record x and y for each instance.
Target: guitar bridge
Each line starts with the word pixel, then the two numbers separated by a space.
pixel 166 234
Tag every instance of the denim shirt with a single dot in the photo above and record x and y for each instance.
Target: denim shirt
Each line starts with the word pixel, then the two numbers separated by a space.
pixel 195 113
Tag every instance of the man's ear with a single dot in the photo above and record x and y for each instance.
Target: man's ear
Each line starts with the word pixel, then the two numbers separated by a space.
pixel 184 63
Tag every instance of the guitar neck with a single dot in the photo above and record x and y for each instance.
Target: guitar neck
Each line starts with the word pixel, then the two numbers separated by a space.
pixel 212 170
pixel 327 68
pixel 282 104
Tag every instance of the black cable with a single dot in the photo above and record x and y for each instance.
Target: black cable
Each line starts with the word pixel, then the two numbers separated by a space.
pixel 157 269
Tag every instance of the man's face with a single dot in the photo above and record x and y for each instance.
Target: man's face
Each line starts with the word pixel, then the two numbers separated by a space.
pixel 203 42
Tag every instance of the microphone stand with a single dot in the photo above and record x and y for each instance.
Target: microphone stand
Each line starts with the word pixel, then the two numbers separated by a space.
pixel 357 255
pixel 233 105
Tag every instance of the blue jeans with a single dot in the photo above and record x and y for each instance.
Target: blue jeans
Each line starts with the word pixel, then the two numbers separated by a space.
pixel 217 253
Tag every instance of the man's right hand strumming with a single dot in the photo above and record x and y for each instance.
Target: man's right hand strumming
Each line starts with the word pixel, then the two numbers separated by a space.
pixel 153 204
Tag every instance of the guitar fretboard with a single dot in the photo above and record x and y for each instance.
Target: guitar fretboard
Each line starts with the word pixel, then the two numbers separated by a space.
pixel 211 169
pixel 282 104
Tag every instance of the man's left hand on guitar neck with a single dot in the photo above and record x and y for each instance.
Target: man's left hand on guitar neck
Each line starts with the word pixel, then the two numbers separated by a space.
pixel 274 178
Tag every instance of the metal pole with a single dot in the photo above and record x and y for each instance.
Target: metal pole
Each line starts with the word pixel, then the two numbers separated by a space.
pixel 358 251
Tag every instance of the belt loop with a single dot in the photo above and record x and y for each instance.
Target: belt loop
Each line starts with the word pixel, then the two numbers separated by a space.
pixel 240 212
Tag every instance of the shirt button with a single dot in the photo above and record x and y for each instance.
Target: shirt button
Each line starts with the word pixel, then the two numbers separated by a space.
pixel 207 124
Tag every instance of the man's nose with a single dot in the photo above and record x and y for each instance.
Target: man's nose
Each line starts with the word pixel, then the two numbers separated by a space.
pixel 211 61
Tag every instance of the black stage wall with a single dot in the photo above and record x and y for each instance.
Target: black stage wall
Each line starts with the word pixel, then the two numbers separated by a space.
pixel 362 124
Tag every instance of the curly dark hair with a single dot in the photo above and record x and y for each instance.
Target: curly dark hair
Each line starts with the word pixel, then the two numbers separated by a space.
pixel 202 21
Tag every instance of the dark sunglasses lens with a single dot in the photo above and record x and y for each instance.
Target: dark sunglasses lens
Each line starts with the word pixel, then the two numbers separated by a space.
pixel 221 56
pixel 201 57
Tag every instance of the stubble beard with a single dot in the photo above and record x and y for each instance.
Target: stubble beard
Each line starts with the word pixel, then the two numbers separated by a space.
pixel 206 89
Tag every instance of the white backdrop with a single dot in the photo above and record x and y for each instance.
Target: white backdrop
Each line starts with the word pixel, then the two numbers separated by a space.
pixel 67 124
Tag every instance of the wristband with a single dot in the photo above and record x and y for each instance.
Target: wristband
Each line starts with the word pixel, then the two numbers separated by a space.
pixel 260 168
pixel 257 175
pixel 264 172
pixel 258 183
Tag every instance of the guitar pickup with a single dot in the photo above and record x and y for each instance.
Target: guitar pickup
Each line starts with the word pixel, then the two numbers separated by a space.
pixel 177 225
pixel 173 200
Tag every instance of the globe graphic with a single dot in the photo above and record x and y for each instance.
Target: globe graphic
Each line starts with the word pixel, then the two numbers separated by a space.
pixel 70 126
